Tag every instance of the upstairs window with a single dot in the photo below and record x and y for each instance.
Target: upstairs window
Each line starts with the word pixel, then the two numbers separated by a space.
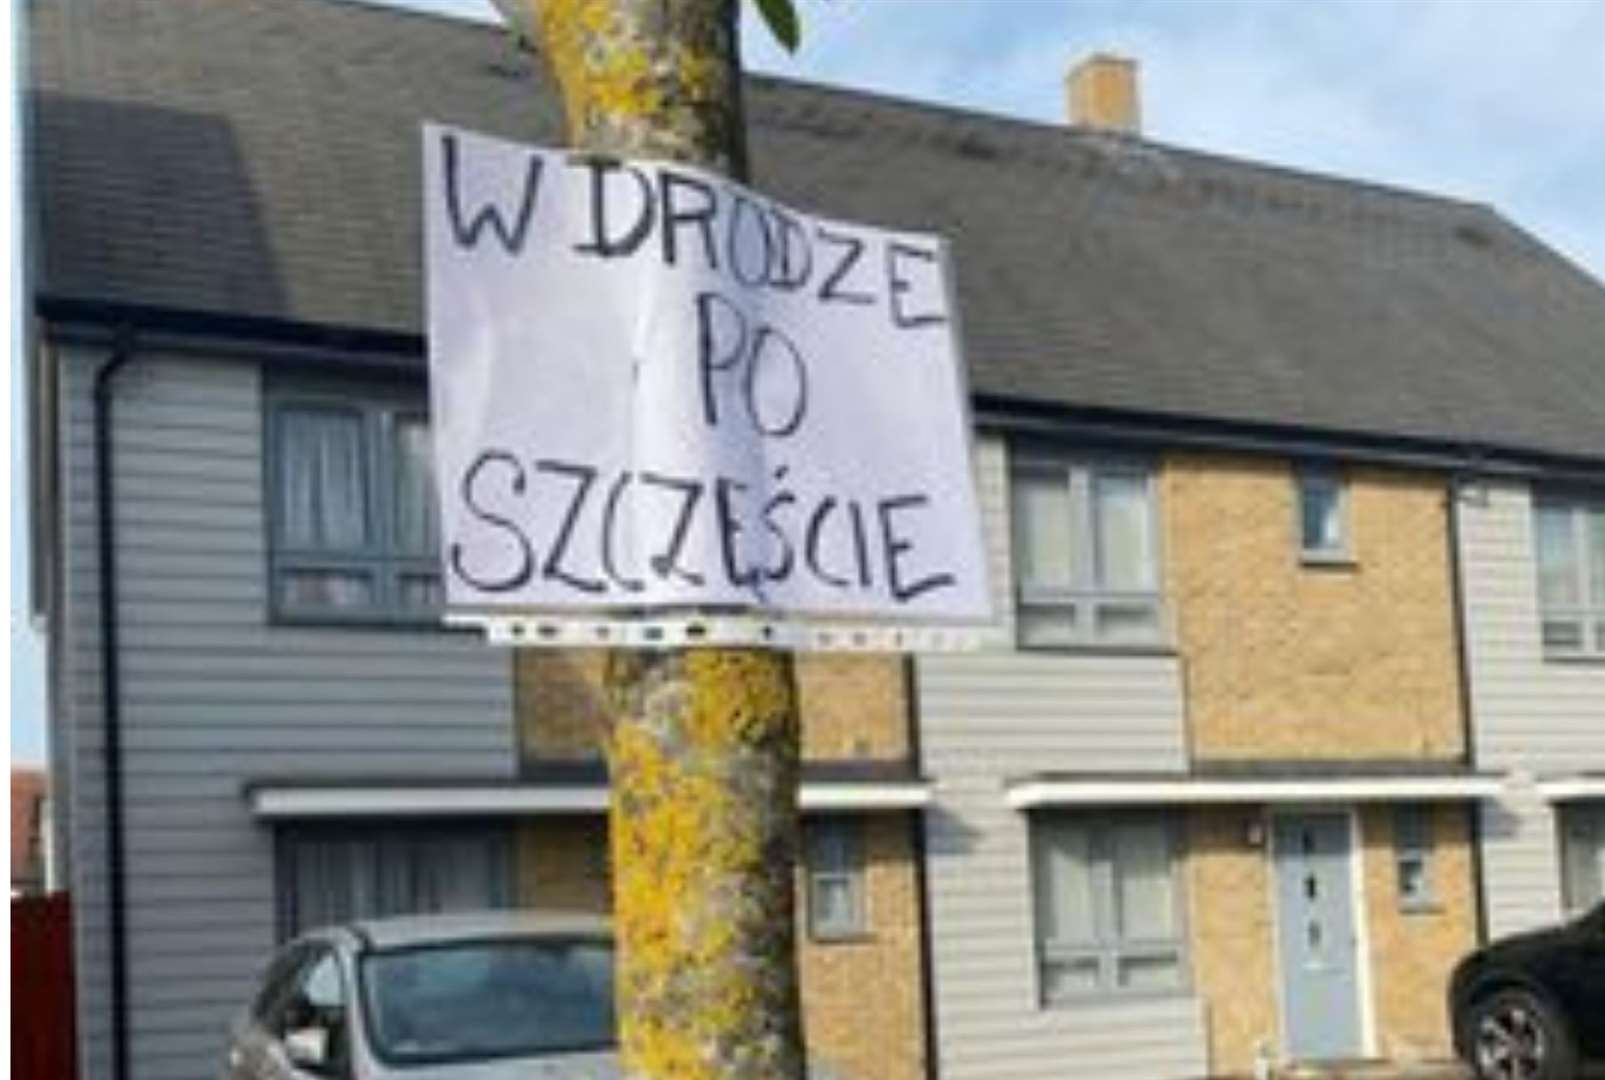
pixel 1323 514
pixel 353 528
pixel 1085 553
pixel 1570 537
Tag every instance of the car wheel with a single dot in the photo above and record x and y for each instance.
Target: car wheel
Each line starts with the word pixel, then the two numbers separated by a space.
pixel 1515 1035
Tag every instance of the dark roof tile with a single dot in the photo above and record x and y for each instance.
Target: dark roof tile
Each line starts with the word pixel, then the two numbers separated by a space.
pixel 260 157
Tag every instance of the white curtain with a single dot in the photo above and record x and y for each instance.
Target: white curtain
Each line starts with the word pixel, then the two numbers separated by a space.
pixel 417 524
pixel 1557 557
pixel 1321 512
pixel 1596 558
pixel 835 863
pixel 1146 897
pixel 322 480
pixel 1583 849
pixel 332 875
pixel 325 589
pixel 1067 910
pixel 421 591
pixel 1044 543
pixel 1125 544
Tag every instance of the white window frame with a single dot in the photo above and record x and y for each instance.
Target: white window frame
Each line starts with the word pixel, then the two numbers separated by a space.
pixel 1110 948
pixel 1307 477
pixel 379 410
pixel 1415 852
pixel 1589 617
pixel 835 855
pixel 1085 598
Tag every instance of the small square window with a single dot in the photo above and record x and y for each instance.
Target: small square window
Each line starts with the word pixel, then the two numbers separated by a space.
pixel 835 861
pixel 1322 515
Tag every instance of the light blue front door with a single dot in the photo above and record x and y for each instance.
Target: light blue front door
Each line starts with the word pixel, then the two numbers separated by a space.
pixel 1318 944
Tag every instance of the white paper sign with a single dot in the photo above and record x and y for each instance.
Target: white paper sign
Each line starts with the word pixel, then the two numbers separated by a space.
pixel 654 388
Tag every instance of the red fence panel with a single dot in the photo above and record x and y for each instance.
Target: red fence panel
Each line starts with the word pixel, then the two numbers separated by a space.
pixel 43 1046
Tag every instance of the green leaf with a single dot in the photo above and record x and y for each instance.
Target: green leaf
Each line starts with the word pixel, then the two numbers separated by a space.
pixel 781 16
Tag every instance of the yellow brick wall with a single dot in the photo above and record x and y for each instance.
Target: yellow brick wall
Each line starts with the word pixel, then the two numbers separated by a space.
pixel 853 707
pixel 862 1005
pixel 1283 660
pixel 558 695
pixel 1412 953
pixel 1232 933
pixel 562 865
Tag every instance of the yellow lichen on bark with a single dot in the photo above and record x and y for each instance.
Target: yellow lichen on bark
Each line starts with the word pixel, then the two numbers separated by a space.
pixel 704 760
pixel 647 78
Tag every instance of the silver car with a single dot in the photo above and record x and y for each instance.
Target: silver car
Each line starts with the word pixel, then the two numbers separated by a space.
pixel 487 996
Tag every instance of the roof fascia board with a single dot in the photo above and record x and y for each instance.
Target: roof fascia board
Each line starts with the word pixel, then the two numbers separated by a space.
pixel 249 338
pixel 1147 431
pixel 398 354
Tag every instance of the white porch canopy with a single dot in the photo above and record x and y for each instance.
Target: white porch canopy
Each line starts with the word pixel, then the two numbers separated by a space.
pixel 1043 791
pixel 288 801
pixel 1572 788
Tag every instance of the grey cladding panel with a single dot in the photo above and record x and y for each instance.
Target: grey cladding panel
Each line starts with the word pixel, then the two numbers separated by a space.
pixel 1530 714
pixel 215 695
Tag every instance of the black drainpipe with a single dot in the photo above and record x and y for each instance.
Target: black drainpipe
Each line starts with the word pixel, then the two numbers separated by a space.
pixel 922 883
pixel 111 696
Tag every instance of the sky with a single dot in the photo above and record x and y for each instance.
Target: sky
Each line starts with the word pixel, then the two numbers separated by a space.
pixel 1495 101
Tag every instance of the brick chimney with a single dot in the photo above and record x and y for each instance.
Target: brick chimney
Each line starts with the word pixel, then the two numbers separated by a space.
pixel 1101 92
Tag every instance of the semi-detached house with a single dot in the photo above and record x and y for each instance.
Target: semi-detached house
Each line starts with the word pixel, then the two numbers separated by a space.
pixel 1292 490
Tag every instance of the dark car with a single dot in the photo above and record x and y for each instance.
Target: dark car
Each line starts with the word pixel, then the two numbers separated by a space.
pixel 1532 1007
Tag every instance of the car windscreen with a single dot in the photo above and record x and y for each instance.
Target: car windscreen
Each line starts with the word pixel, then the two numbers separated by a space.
pixel 488 999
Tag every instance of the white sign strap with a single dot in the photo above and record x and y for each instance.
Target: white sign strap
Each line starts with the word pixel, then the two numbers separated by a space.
pixel 680 631
pixel 656 390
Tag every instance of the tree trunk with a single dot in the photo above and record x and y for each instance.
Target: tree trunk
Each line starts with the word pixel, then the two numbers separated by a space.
pixel 703 746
